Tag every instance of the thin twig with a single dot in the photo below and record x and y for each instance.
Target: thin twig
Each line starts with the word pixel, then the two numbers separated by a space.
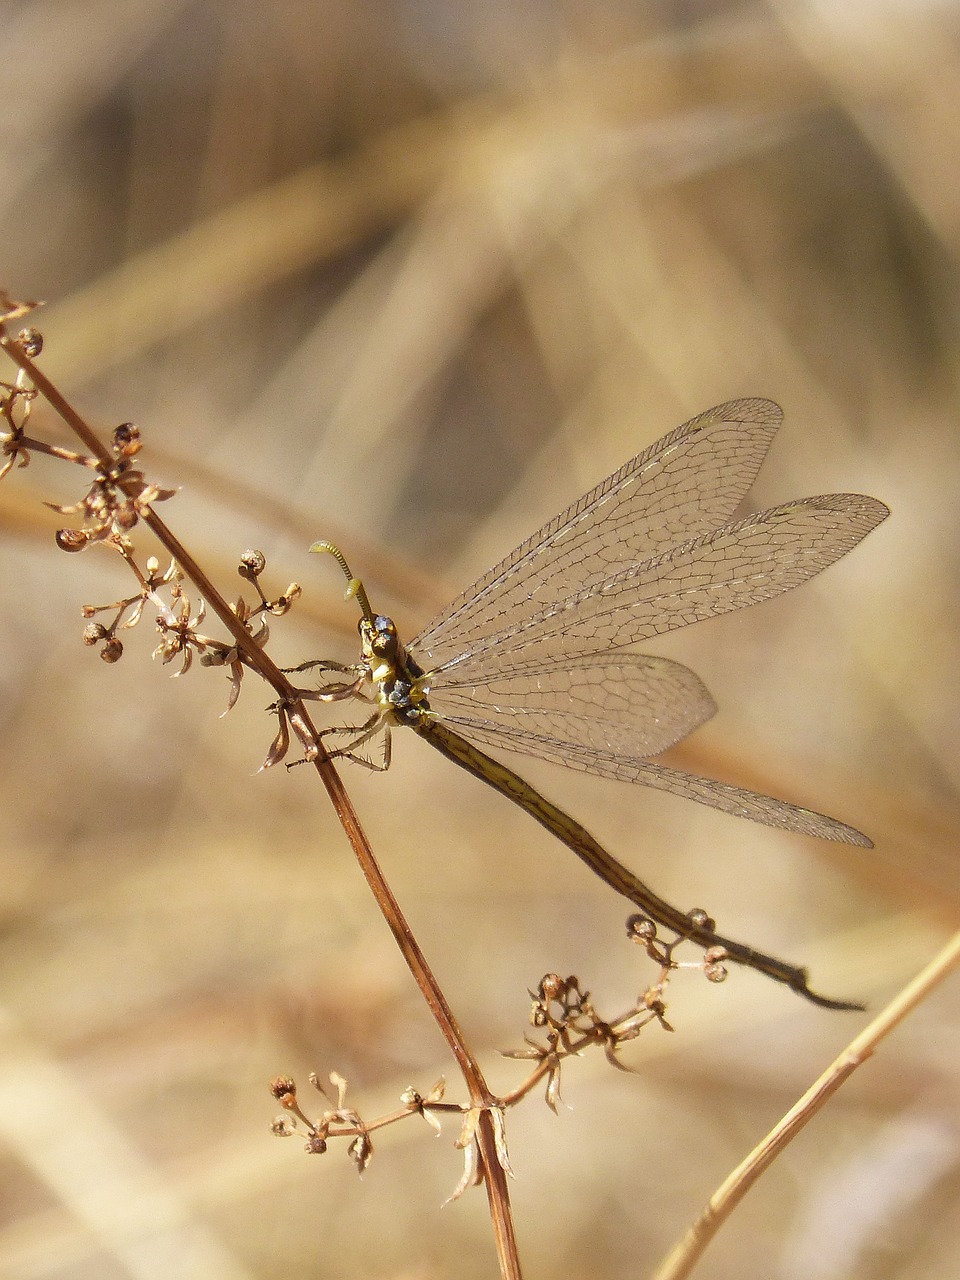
pixel 480 1095
pixel 683 1258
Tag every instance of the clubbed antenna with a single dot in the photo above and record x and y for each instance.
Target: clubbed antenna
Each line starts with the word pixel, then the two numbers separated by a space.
pixel 355 588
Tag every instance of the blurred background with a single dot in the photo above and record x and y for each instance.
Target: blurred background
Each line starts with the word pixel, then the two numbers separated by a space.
pixel 413 276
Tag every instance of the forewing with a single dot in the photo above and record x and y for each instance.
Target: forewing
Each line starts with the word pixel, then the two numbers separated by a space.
pixel 726 569
pixel 690 481
pixel 648 773
pixel 635 704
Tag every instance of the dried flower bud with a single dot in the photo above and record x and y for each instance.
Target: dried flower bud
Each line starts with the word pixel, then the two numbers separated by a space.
pixel 700 920
pixel 30 342
pixel 641 929
pixel 126 440
pixel 71 539
pixel 552 986
pixel 252 564
pixel 283 1088
pixel 94 633
pixel 360 1151
pixel 315 1145
pixel 284 603
pixel 716 972
pixel 716 955
pixel 112 651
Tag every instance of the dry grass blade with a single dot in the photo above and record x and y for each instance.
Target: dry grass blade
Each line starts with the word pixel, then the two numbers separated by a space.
pixel 682 1260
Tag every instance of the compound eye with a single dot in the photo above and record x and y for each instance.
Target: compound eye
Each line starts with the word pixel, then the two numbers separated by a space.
pixel 383 640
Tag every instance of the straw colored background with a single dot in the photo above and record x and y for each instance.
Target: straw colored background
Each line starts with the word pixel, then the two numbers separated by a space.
pixel 413 276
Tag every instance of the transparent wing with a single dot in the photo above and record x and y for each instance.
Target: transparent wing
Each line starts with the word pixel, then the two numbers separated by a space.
pixel 648 773
pixel 635 704
pixel 521 659
pixel 690 481
pixel 726 569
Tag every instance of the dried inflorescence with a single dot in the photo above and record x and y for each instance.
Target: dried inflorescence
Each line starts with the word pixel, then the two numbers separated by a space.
pixel 561 1009
pixel 338 1121
pixel 341 1121
pixel 643 931
pixel 119 497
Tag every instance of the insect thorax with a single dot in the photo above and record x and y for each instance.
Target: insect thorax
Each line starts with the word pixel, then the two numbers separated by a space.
pixel 394 672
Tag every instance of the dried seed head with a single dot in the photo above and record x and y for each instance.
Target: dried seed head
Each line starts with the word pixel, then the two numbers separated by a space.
pixel 315 1145
pixel 716 972
pixel 284 1089
pixel 699 919
pixel 72 539
pixel 112 651
pixel 126 440
pixel 552 986
pixel 30 342
pixel 716 955
pixel 641 929
pixel 126 516
pixel 252 564
pixel 94 633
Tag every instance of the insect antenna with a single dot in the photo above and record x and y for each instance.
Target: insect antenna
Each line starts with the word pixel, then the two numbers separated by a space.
pixel 355 588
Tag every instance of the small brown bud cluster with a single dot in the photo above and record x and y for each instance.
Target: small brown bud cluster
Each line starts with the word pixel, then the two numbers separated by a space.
pixel 111 648
pixel 339 1121
pixel 713 966
pixel 642 930
pixel 117 499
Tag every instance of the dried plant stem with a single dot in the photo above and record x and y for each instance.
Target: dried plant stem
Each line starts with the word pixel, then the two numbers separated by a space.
pixel 684 1257
pixel 495 1178
pixel 480 1095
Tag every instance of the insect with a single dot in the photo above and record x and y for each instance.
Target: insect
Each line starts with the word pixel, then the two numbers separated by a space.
pixel 537 656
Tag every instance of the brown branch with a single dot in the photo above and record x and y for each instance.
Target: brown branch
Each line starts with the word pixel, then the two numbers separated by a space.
pixel 498 1198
